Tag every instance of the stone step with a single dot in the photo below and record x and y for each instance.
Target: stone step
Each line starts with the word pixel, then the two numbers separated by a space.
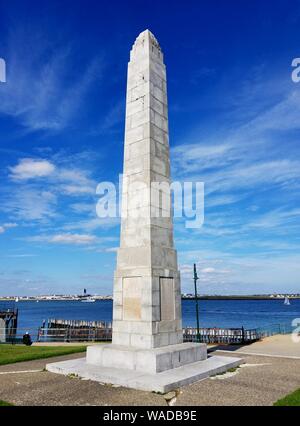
pixel 159 382
pixel 146 360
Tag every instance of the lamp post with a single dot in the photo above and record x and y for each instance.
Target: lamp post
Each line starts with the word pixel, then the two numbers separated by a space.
pixel 196 299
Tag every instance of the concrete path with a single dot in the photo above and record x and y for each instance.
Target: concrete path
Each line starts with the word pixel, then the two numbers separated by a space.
pixel 261 381
pixel 275 346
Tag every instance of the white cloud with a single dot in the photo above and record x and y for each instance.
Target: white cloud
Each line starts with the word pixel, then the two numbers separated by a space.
pixel 39 184
pixel 10 225
pixel 247 155
pixel 75 182
pixel 208 270
pixel 30 203
pixel 83 207
pixel 93 223
pixel 22 255
pixel 73 239
pixel 74 175
pixel 29 168
pixel 42 91
pixel 112 249
pixel 78 189
pixel 66 238
pixel 226 168
pixel 70 181
pixel 288 107
pixel 213 201
pixel 201 156
pixel 277 218
pixel 6 226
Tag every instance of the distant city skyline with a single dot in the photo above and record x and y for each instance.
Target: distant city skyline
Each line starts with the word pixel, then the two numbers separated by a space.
pixel 67 297
pixel 234 113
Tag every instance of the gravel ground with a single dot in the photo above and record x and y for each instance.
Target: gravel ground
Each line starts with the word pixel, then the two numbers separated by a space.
pixel 44 388
pixel 261 381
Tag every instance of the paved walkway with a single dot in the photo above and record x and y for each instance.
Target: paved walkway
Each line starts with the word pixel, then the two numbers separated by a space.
pixel 275 346
pixel 261 381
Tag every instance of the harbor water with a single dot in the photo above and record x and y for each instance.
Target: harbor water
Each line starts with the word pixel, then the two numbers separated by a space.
pixel 249 314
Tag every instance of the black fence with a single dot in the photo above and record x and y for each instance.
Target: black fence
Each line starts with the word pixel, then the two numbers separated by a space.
pixel 221 335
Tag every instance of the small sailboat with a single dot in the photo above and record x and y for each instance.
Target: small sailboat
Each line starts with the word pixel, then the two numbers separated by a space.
pixel 286 301
pixel 16 299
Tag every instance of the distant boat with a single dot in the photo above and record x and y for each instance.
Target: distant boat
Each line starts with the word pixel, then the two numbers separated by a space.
pixel 17 299
pixel 287 301
pixel 37 301
pixel 88 300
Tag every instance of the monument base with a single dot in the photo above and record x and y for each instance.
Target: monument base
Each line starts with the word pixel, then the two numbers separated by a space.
pixel 149 361
pixel 160 382
pixel 126 374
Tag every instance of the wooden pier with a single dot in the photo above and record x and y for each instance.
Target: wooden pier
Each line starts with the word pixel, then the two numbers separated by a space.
pixel 8 322
pixel 74 330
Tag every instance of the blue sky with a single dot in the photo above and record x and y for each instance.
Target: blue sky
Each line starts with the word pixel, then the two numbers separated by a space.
pixel 234 124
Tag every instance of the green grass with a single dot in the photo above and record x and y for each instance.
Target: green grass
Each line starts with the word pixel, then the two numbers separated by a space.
pixel 9 354
pixel 293 399
pixel 4 403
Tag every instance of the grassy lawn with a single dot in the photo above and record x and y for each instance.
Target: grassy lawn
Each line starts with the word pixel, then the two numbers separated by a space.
pixel 4 403
pixel 9 354
pixel 293 399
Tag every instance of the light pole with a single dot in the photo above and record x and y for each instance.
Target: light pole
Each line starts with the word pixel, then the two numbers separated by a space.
pixel 196 299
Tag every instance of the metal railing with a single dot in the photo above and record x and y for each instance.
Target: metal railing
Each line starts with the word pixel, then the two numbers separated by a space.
pixel 95 334
pixel 45 335
pixel 221 335
pixel 88 334
pixel 273 329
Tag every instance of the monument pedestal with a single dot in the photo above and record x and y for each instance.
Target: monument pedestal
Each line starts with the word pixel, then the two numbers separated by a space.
pixel 150 361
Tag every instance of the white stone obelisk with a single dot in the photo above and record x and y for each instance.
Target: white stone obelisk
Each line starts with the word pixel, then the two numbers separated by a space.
pixel 147 297
pixel 147 324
